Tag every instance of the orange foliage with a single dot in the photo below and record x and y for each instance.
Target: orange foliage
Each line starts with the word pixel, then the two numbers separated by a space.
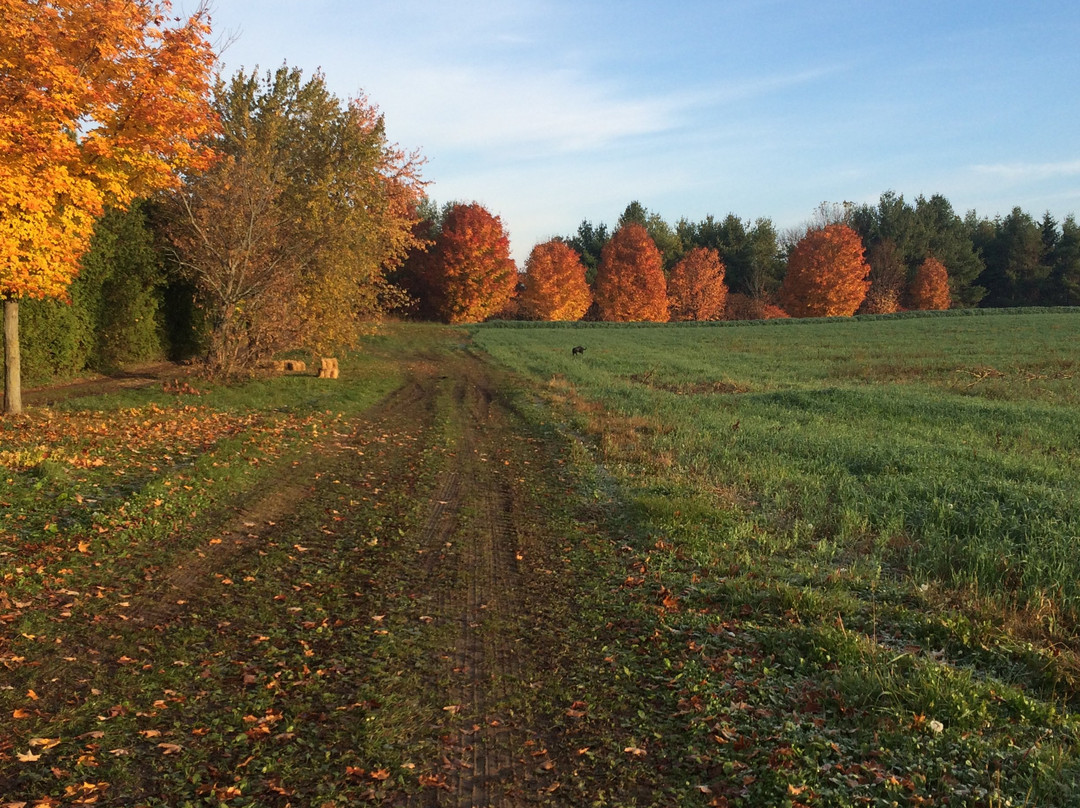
pixel 470 271
pixel 826 274
pixel 929 290
pixel 774 312
pixel 880 301
pixel 696 289
pixel 555 287
pixel 744 307
pixel 99 102
pixel 630 283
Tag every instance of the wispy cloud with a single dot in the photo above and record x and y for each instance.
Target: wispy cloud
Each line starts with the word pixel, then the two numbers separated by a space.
pixel 1029 172
pixel 553 112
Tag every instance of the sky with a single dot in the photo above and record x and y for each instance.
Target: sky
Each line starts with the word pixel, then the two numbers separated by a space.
pixel 551 112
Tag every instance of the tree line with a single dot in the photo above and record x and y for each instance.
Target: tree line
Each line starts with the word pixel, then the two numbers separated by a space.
pixel 150 207
pixel 847 259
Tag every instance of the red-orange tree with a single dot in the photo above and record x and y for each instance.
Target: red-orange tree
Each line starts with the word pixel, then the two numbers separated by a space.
pixel 469 272
pixel 555 287
pixel 826 275
pixel 630 284
pixel 929 290
pixel 696 288
pixel 100 101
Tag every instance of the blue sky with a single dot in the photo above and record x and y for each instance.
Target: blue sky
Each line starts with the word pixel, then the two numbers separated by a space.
pixel 553 111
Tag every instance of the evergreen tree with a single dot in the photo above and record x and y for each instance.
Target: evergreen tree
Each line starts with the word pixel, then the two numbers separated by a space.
pixel 1065 260
pixel 1015 271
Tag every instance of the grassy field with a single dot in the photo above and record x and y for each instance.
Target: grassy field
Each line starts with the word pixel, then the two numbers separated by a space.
pixel 801 564
pixel 890 508
pixel 942 450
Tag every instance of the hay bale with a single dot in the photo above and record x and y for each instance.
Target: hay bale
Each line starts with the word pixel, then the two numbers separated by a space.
pixel 294 366
pixel 328 368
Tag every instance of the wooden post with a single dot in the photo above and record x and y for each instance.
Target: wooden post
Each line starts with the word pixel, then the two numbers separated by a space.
pixel 12 369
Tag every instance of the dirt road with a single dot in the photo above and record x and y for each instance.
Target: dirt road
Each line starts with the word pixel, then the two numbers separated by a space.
pixel 489 568
pixel 404 616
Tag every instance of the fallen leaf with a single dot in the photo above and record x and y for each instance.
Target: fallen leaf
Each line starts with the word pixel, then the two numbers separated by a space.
pixel 635 751
pixel 20 714
pixel 380 774
pixel 29 757
pixel 150 733
pixel 45 743
pixel 433 781
pixel 170 748
pixel 30 694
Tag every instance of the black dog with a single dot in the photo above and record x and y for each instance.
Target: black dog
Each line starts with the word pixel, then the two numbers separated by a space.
pixel 577 350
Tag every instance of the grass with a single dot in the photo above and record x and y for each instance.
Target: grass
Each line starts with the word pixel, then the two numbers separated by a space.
pixel 845 531
pixel 948 444
pixel 812 564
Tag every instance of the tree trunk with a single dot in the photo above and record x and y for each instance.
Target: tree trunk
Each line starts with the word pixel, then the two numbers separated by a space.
pixel 12 370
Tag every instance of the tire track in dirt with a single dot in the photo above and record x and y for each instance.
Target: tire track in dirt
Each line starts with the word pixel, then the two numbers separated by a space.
pixel 470 528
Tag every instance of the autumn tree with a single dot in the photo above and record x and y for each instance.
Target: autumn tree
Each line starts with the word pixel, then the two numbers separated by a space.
pixel 750 252
pixel 667 240
pixel 100 101
pixel 290 236
pixel 630 283
pixel 826 274
pixel 929 289
pixel 696 289
pixel 468 272
pixel 555 287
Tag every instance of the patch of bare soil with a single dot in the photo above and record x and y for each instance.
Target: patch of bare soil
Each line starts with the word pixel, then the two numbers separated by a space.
pixel 131 378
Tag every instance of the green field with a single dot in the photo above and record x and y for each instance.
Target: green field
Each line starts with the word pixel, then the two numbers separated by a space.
pixel 941 450
pixel 887 509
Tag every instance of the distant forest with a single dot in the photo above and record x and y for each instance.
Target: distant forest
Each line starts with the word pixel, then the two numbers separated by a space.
pixel 1016 260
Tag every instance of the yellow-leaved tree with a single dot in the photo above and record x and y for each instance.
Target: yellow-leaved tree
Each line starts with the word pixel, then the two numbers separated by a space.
pixel 100 101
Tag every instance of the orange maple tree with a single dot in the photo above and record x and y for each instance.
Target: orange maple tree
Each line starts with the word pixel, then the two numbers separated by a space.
pixel 555 287
pixel 100 101
pixel 696 288
pixel 826 274
pixel 929 290
pixel 630 285
pixel 469 272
